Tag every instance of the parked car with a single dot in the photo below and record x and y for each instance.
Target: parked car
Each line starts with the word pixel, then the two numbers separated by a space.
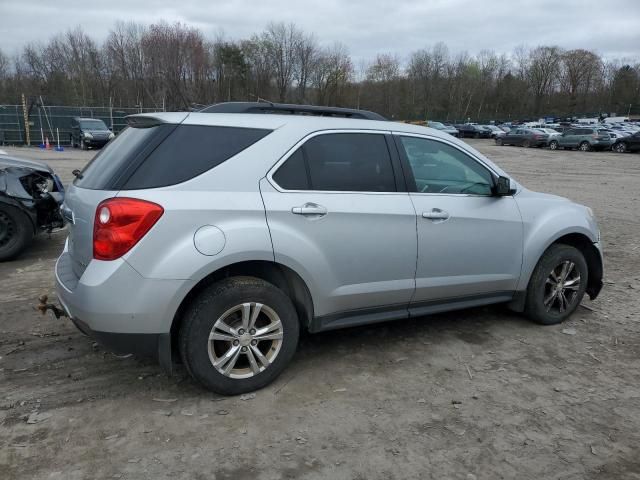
pixel 469 130
pixel 582 138
pixel 216 238
pixel 630 143
pixel 524 137
pixel 613 134
pixel 30 198
pixel 550 131
pixel 494 132
pixel 89 133
pixel 443 128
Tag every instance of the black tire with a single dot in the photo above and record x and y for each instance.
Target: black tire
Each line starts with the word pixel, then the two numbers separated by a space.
pixel 83 145
pixel 619 147
pixel 526 144
pixel 539 288
pixel 209 306
pixel 498 141
pixel 16 232
pixel 476 135
pixel 553 145
pixel 584 147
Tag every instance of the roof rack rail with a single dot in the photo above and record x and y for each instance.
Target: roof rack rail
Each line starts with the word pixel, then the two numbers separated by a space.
pixel 291 109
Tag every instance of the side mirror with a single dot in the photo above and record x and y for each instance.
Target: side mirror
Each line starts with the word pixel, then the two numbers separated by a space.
pixel 502 187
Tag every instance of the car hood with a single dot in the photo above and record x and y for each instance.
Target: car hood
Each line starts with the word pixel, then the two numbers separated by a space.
pixel 7 161
pixel 530 194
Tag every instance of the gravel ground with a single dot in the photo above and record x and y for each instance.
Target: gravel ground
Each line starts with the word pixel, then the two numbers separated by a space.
pixel 474 394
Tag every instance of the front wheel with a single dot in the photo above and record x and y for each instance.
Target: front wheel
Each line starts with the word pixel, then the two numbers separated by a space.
pixel 526 144
pixel 238 335
pixel 16 232
pixel 498 141
pixel 476 135
pixel 557 285
pixel 553 145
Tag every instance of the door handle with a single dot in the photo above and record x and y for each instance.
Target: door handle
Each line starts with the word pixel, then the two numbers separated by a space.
pixel 309 209
pixel 436 214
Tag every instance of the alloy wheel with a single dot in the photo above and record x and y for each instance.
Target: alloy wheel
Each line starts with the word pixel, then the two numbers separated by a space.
pixel 561 287
pixel 245 340
pixel 584 146
pixel 620 147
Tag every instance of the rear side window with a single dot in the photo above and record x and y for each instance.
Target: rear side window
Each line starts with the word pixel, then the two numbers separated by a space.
pixel 117 155
pixel 293 175
pixel 343 162
pixel 163 155
pixel 189 151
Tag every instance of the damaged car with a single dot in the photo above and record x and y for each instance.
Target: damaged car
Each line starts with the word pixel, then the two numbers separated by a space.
pixel 30 198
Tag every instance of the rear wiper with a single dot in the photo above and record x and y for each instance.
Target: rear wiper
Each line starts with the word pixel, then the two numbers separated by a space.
pixel 77 173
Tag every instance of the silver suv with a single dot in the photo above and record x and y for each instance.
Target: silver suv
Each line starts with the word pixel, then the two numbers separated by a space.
pixel 215 238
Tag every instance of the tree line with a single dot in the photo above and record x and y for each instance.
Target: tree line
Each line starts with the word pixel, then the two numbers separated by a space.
pixel 175 67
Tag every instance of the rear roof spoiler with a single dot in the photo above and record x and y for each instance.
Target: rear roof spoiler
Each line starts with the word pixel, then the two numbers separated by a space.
pixel 148 120
pixel 290 109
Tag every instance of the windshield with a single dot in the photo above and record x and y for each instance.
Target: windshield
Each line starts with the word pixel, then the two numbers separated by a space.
pixel 93 125
pixel 437 125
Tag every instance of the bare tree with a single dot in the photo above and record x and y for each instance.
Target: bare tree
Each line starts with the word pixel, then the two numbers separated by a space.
pixel 176 66
pixel 282 41
pixel 544 66
pixel 579 70
pixel 306 56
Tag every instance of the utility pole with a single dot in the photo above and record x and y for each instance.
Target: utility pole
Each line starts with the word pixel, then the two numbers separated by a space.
pixel 26 120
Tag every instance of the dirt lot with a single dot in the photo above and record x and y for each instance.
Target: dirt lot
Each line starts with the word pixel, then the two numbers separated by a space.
pixel 479 393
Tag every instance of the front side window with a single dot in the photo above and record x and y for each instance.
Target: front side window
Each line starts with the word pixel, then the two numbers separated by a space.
pixel 354 162
pixel 440 168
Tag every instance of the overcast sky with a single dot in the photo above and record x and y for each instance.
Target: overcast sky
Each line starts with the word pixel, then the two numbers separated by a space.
pixel 609 27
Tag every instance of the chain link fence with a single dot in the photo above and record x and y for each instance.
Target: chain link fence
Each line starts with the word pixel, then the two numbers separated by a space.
pixel 50 121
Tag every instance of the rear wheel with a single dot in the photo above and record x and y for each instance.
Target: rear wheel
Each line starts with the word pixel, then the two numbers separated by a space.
pixel 620 147
pixel 526 144
pixel 476 135
pixel 584 147
pixel 553 145
pixel 498 141
pixel 557 285
pixel 238 335
pixel 16 232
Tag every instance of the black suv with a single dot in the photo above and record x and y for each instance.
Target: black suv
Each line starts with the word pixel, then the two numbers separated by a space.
pixel 473 131
pixel 89 133
pixel 627 144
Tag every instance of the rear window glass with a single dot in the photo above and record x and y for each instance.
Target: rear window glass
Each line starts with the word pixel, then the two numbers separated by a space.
pixel 115 157
pixel 164 155
pixel 189 151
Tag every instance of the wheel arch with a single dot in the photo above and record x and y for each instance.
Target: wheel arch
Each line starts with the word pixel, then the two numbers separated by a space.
pixel 29 213
pixel 279 275
pixel 592 256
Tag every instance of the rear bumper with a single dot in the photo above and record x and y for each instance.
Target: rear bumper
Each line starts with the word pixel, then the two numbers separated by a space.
pixel 120 309
pixel 156 346
pixel 143 344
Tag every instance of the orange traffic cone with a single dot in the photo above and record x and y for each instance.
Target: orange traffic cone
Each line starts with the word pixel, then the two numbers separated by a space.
pixel 47 145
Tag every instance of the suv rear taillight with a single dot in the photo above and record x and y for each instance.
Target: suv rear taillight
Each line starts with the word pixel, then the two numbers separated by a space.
pixel 120 223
